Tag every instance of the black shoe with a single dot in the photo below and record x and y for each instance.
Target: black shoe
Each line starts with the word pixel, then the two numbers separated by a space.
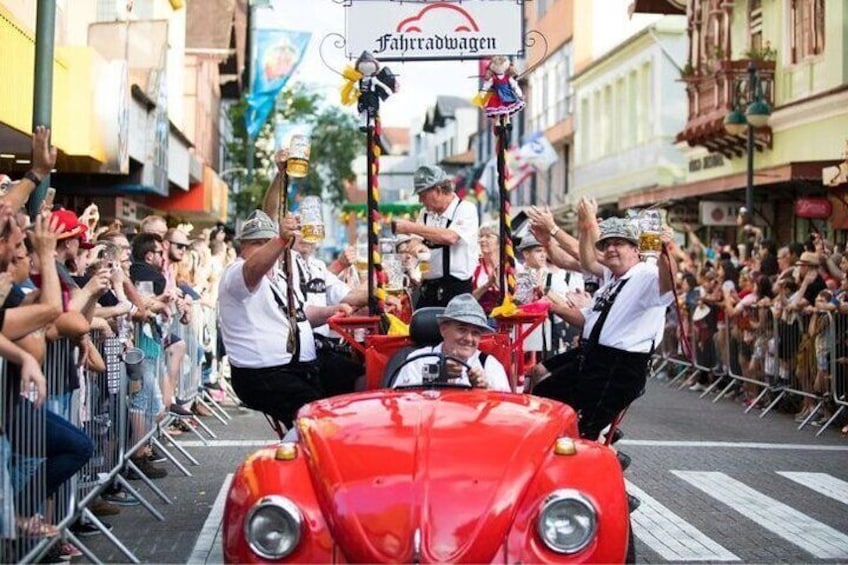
pixel 87 529
pixel 156 456
pixel 147 468
pixel 632 502
pixel 616 435
pixel 212 385
pixel 178 410
pixel 623 459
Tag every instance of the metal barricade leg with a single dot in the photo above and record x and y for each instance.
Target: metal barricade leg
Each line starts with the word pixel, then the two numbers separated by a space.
pixel 144 502
pixel 173 459
pixel 774 402
pixel 89 515
pixel 217 411
pixel 146 480
pixel 830 420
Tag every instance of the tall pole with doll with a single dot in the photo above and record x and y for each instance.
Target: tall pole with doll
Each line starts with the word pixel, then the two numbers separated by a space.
pixel 501 97
pixel 375 83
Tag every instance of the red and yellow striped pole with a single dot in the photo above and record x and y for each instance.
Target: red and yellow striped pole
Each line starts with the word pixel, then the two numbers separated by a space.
pixel 507 258
pixel 376 274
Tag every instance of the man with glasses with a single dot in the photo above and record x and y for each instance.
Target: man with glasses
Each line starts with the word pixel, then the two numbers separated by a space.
pixel 148 254
pixel 621 324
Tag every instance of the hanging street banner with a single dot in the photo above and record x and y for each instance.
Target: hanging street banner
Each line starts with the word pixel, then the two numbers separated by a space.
pixel 429 31
pixel 278 53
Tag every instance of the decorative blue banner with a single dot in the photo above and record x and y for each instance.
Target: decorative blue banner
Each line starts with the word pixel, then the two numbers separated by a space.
pixel 278 53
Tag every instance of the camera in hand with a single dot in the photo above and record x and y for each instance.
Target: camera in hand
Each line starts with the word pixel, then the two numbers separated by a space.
pixel 430 373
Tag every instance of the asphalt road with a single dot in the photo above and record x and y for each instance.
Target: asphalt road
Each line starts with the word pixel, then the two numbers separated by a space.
pixel 716 486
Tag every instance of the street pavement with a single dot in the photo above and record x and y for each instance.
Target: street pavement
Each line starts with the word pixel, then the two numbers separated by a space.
pixel 717 486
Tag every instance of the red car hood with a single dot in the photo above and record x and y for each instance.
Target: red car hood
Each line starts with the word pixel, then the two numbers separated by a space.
pixel 445 467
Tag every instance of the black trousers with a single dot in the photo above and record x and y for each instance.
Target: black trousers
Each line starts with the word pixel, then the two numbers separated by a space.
pixel 598 382
pixel 338 369
pixel 278 391
pixel 438 292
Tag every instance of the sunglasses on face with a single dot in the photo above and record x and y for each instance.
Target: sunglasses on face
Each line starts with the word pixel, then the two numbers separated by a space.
pixel 180 245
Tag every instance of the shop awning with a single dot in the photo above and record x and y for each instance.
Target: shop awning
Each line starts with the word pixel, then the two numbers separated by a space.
pixel 676 7
pixel 808 170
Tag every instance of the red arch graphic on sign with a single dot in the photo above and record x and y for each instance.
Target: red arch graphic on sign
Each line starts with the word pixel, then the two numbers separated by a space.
pixel 412 26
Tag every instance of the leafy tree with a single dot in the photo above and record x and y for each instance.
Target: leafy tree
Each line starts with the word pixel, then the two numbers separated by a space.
pixel 335 140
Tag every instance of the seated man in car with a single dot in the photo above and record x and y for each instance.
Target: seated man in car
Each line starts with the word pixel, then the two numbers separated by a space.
pixel 462 325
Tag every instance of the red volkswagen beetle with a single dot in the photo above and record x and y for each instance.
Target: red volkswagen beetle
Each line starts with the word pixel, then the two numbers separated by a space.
pixel 435 473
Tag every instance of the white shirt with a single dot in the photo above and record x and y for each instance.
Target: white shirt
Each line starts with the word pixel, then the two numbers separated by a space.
pixel 412 373
pixel 335 290
pixel 253 327
pixel 637 315
pixel 463 253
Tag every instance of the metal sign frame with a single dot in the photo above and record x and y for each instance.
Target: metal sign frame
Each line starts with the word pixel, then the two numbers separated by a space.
pixel 354 46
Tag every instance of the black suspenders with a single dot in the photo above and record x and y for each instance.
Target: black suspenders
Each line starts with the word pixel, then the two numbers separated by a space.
pixel 445 248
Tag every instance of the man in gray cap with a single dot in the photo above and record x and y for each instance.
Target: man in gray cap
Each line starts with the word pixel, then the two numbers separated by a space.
pixel 462 325
pixel 621 325
pixel 272 370
pixel 449 228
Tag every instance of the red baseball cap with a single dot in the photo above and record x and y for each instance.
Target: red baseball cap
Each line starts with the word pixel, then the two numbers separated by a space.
pixel 72 227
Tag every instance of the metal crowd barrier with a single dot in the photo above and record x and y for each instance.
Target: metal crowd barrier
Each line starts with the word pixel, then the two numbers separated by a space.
pixel 838 347
pixel 23 448
pixel 747 338
pixel 120 412
pixel 771 354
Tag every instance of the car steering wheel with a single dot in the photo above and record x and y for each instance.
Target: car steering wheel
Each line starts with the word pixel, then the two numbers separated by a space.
pixel 441 380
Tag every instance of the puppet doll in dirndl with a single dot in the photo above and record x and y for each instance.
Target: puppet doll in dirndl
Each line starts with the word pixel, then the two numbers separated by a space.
pixel 500 94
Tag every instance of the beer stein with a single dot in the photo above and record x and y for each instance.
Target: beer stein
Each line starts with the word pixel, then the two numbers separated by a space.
pixel 525 286
pixel 650 229
pixel 423 256
pixel 311 221
pixel 396 280
pixel 362 257
pixel 297 165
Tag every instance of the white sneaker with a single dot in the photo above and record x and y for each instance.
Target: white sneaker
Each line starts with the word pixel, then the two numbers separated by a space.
pixel 697 387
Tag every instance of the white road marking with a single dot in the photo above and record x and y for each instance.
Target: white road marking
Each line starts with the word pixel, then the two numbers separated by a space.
pixel 669 535
pixel 822 483
pixel 819 540
pixel 229 443
pixel 206 550
pixel 631 442
pixel 732 444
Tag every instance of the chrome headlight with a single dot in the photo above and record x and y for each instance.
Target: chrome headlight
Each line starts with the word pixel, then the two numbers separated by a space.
pixel 567 521
pixel 273 527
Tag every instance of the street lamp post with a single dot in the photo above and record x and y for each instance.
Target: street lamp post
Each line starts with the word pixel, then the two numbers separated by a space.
pixel 756 116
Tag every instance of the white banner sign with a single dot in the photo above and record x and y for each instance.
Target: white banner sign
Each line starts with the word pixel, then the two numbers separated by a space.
pixel 403 31
pixel 716 213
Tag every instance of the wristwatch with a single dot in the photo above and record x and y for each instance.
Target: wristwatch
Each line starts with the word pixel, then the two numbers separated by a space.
pixel 31 176
pixel 554 230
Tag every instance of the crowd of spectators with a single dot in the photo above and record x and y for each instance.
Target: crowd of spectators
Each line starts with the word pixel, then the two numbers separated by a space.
pixel 68 284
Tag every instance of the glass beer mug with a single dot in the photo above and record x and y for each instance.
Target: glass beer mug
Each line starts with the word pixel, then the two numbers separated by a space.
pixel 650 229
pixel 423 256
pixel 311 221
pixel 361 262
pixel 297 165
pixel 396 279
